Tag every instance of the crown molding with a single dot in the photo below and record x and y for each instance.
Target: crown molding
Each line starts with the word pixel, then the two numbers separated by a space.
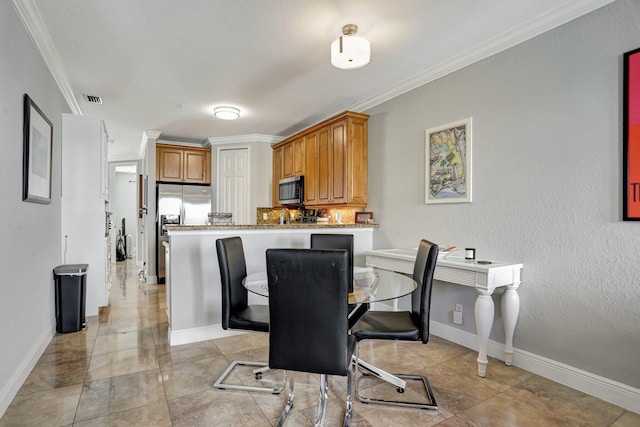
pixel 507 39
pixel 146 136
pixel 243 139
pixel 32 20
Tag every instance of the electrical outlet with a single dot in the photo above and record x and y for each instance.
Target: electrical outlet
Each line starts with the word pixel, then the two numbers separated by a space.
pixel 265 216
pixel 457 315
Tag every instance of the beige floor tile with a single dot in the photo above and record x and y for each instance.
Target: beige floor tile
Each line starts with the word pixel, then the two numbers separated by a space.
pixel 504 410
pixel 216 408
pixel 184 378
pixel 499 376
pixel 628 419
pixel 121 363
pixel 121 393
pixel 190 352
pixel 243 342
pixel 50 374
pixel 575 407
pixel 49 408
pixel 156 415
pixel 124 341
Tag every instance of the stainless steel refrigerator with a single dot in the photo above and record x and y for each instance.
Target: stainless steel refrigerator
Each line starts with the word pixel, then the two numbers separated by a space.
pixel 178 204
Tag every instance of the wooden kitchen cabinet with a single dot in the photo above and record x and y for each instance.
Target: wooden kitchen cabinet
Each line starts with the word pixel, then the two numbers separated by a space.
pixel 293 158
pixel 277 173
pixel 335 161
pixel 185 165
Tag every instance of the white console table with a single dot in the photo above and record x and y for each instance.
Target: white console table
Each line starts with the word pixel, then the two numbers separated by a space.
pixel 484 277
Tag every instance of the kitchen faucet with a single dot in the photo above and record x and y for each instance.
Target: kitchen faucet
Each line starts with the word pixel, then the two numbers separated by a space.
pixel 284 212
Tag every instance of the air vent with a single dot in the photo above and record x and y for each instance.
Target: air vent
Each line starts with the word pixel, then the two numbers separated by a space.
pixel 93 99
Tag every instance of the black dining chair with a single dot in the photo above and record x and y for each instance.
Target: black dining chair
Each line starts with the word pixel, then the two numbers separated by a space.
pixel 410 325
pixel 308 311
pixel 237 313
pixel 341 241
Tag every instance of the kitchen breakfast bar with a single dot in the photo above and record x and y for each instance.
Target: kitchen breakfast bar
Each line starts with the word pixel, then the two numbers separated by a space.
pixel 193 278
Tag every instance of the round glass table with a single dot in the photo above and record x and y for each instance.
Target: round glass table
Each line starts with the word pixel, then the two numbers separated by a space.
pixel 369 285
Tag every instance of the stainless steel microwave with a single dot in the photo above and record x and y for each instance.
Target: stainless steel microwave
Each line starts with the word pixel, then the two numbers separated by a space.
pixel 291 191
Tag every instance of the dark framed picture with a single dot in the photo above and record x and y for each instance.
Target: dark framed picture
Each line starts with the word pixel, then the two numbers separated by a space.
pixel 37 147
pixel 631 136
pixel 364 217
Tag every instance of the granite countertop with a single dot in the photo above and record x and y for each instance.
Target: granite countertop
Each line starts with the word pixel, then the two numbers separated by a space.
pixel 266 226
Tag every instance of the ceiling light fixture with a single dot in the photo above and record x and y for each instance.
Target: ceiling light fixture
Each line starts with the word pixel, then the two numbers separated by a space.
pixel 350 51
pixel 226 113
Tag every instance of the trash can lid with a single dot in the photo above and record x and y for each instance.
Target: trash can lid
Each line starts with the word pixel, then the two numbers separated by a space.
pixel 69 269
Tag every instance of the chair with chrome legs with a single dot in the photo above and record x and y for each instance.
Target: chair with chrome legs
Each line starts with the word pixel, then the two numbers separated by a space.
pixel 237 313
pixel 341 241
pixel 403 325
pixel 309 325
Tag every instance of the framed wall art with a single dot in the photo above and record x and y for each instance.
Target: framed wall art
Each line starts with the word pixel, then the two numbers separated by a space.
pixel 448 163
pixel 364 217
pixel 37 147
pixel 631 137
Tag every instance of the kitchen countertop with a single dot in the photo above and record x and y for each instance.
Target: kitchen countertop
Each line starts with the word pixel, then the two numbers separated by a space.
pixel 265 226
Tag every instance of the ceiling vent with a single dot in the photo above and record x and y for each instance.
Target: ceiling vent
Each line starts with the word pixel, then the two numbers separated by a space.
pixel 93 99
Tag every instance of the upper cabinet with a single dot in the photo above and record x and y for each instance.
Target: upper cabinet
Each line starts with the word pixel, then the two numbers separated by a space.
pixel 185 165
pixel 84 159
pixel 332 156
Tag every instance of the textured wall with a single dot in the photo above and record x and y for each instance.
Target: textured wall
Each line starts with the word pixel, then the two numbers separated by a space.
pixel 547 156
pixel 31 242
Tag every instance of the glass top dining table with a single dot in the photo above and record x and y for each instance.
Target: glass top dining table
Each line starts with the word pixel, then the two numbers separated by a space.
pixel 369 285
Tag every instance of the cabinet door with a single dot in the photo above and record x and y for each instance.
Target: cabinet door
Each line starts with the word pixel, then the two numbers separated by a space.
pixel 293 158
pixel 338 165
pixel 357 162
pixel 287 160
pixel 169 164
pixel 299 159
pixel 277 174
pixel 323 153
pixel 311 171
pixel 196 166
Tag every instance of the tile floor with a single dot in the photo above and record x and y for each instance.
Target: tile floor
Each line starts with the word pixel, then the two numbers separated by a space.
pixel 120 371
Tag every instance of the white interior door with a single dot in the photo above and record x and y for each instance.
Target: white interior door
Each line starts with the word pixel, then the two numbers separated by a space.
pixel 233 193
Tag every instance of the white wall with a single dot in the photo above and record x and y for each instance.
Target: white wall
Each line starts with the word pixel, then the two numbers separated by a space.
pixel 31 232
pixel 124 203
pixel 547 156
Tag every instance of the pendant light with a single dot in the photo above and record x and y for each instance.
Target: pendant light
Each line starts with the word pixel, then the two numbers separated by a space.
pixel 350 51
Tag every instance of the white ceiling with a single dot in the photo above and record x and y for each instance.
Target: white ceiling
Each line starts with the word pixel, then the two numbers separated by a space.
pixel 162 65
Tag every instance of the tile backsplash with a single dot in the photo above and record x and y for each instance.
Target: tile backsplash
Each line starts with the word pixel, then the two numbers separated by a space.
pixel 272 215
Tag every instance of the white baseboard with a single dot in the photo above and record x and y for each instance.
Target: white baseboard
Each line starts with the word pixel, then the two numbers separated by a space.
pixel 625 396
pixel 11 388
pixel 203 333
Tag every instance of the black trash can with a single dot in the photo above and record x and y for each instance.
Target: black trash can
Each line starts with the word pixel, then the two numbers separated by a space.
pixel 71 296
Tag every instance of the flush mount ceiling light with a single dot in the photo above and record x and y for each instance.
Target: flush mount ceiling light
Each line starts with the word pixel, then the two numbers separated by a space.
pixel 350 51
pixel 226 113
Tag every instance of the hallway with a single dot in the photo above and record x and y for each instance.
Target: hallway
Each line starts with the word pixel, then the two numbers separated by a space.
pixel 120 371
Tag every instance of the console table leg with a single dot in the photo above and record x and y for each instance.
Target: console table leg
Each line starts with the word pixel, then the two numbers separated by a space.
pixel 510 309
pixel 484 320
